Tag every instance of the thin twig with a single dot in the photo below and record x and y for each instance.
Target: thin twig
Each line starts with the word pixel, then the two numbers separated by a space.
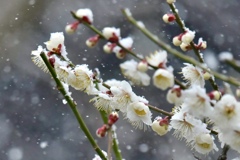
pixel 110 142
pixel 233 64
pixel 169 49
pixel 223 155
pixel 73 107
pixel 122 47
pixel 116 149
pixel 160 110
pixel 114 144
pixel 196 51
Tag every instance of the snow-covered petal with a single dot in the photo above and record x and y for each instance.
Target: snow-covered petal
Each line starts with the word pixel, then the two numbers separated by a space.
pixel 85 15
pixel 112 34
pixel 56 42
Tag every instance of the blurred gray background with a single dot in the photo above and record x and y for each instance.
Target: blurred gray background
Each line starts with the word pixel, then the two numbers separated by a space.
pixel 35 124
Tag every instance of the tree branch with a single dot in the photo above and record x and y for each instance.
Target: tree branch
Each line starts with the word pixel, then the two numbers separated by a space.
pixel 73 107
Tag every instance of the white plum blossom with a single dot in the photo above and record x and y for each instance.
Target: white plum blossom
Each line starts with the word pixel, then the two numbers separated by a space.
pixel 231 137
pixel 158 59
pixel 174 95
pixel 160 129
pixel 85 15
pixel 187 126
pixel 188 36
pixel 37 59
pixel 196 101
pixel 118 97
pixel 204 143
pixel 139 115
pixel 226 112
pixel 62 69
pixel 56 42
pixel 122 95
pixel 193 75
pixel 80 78
pixel 111 33
pixel 130 70
pixel 104 98
pixel 163 79
pixel 126 43
pixel 103 101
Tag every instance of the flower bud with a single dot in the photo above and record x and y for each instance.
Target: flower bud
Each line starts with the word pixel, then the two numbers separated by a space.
pixel 101 132
pixel 167 18
pixel 160 126
pixel 92 41
pixel 177 41
pixel 121 54
pixel 142 66
pixel 185 47
pixel 85 15
pixel 174 95
pixel 112 34
pixel 188 37
pixel 108 48
pixel 201 44
pixel 206 76
pixel 71 28
pixel 112 118
pixel 216 95
pixel 51 61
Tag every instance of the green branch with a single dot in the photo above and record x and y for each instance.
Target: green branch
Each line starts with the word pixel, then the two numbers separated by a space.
pixel 234 64
pixel 196 51
pixel 73 107
pixel 176 53
pixel 122 47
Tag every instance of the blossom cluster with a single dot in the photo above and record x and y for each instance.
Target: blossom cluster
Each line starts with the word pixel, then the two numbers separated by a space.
pixel 117 96
pixel 197 113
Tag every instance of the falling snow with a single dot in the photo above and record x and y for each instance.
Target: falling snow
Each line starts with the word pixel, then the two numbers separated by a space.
pixel 35 123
